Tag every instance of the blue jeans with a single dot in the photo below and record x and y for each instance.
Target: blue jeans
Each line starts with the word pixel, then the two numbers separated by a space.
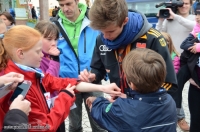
pixel 180 113
pixel 75 116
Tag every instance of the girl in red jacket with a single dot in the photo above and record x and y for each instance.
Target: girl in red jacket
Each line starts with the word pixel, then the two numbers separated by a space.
pixel 21 52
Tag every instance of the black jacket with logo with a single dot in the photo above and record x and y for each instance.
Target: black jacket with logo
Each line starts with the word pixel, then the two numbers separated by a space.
pixel 104 59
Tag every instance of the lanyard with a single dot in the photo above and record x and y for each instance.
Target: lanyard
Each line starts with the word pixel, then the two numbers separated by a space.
pixel 120 54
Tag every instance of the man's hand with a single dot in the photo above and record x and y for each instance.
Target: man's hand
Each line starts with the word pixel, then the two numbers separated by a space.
pixel 112 89
pixel 11 77
pixel 89 101
pixel 21 104
pixel 172 14
pixel 54 51
pixel 86 76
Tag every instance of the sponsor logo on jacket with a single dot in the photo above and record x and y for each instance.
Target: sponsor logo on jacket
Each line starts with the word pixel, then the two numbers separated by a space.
pixel 141 45
pixel 104 48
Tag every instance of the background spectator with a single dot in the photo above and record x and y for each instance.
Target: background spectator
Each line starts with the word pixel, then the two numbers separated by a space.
pixel 33 12
pixel 7 19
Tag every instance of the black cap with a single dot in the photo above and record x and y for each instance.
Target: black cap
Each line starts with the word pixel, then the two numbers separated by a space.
pixel 197 10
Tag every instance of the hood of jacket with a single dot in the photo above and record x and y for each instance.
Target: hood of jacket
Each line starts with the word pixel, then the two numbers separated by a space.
pixel 136 26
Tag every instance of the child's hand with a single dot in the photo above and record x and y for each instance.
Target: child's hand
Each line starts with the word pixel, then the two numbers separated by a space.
pixel 89 101
pixel 70 89
pixel 54 51
pixel 193 82
pixel 114 97
pixel 112 89
pixel 193 49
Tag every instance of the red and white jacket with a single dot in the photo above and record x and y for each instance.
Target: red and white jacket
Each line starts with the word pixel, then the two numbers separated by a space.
pixel 40 114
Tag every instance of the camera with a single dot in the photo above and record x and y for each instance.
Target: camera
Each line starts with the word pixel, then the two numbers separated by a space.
pixel 173 5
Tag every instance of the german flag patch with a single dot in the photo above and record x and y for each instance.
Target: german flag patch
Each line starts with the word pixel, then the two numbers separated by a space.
pixel 162 42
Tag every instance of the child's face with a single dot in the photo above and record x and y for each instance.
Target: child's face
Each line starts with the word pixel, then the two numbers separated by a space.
pixel 36 56
pixel 48 43
pixel 5 20
pixel 197 18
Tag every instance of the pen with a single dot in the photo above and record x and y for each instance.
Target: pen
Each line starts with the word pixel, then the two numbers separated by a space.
pixel 89 79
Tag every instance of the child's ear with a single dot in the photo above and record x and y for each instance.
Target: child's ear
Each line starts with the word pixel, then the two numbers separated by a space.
pixel 132 86
pixel 20 53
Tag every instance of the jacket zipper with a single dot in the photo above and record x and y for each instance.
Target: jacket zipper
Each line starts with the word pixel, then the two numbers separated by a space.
pixel 40 89
pixel 84 41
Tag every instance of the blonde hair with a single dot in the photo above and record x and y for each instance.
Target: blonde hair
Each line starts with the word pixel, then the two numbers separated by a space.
pixel 144 68
pixel 170 43
pixel 104 13
pixel 20 36
pixel 87 3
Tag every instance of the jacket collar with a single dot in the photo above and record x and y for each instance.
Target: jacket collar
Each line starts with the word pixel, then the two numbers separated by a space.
pixel 158 96
pixel 11 67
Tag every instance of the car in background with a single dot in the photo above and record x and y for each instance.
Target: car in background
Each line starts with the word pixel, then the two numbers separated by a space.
pixel 147 7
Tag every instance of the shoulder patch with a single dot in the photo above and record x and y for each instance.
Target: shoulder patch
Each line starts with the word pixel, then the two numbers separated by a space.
pixel 154 32
pixel 162 42
pixel 108 107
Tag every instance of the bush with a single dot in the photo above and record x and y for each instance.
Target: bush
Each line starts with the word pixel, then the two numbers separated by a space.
pixel 32 21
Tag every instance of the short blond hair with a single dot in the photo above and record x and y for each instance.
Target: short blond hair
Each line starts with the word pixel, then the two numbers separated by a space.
pixel 106 12
pixel 144 68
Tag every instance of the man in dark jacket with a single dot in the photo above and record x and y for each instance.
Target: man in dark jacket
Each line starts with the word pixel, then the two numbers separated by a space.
pixel 55 11
pixel 122 31
pixel 33 12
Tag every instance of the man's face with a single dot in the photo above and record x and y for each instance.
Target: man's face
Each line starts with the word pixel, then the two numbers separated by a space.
pixel 185 9
pixel 111 32
pixel 69 8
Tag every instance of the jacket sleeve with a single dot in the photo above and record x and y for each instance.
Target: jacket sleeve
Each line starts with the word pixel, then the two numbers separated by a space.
pixel 53 67
pixel 49 120
pixel 161 25
pixel 159 45
pixel 52 83
pixel 189 24
pixel 188 42
pixel 176 63
pixel 106 119
pixel 96 65
pixel 14 118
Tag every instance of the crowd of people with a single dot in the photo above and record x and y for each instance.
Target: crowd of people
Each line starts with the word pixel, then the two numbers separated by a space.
pixel 66 58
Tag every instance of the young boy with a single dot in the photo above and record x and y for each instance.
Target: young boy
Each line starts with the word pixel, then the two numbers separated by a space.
pixel 149 107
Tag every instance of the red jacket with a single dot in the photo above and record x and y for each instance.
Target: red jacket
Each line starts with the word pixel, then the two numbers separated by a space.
pixel 40 113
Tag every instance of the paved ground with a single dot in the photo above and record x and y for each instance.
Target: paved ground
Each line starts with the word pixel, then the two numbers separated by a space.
pixel 86 124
